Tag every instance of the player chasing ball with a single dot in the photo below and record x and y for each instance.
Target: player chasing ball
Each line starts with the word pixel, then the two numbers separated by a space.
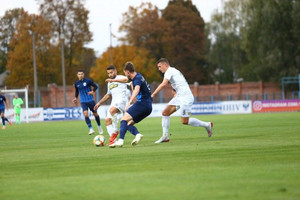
pixel 118 92
pixel 86 88
pixel 183 99
pixel 139 110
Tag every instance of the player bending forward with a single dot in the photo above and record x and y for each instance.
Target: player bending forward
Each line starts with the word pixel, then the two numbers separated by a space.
pixel 183 99
pixel 139 110
pixel 117 90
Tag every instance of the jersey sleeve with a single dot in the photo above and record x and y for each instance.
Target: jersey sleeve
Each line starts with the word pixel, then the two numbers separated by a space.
pixel 91 83
pixel 168 74
pixel 137 81
pixel 76 91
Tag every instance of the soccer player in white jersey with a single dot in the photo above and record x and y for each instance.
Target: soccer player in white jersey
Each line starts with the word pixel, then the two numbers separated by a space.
pixel 183 99
pixel 117 90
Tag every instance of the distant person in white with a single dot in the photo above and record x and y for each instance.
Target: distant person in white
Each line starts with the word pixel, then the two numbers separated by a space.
pixel 118 91
pixel 183 99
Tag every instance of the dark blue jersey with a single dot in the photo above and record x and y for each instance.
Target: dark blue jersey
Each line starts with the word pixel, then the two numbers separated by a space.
pixel 144 95
pixel 83 87
pixel 2 100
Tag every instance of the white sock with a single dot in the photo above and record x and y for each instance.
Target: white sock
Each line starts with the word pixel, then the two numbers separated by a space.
pixel 110 129
pixel 197 122
pixel 165 122
pixel 115 121
pixel 100 130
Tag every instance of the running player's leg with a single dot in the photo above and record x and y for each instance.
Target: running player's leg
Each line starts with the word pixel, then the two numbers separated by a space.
pixel 187 120
pixel 2 117
pixel 17 115
pixel 87 118
pixel 123 129
pixel 165 122
pixel 137 112
pixel 109 120
pixel 91 106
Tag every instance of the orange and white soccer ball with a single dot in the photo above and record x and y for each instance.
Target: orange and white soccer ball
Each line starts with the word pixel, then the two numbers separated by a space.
pixel 99 140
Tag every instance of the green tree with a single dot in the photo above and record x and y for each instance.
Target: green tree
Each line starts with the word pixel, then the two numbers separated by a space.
pixel 272 38
pixel 226 54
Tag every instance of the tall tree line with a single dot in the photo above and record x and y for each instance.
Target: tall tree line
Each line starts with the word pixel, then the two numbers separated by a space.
pixel 255 40
pixel 176 32
pixel 57 20
pixel 246 40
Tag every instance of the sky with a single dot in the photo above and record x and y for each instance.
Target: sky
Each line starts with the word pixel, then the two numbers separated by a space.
pixel 106 12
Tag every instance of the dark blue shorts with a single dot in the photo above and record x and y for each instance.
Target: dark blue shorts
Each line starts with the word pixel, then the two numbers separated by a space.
pixel 90 105
pixel 140 110
pixel 2 110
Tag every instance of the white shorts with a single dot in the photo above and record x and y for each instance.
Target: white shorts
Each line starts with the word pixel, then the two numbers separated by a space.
pixel 120 105
pixel 184 103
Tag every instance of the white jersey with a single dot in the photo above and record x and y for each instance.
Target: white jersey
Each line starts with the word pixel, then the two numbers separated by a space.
pixel 117 90
pixel 178 82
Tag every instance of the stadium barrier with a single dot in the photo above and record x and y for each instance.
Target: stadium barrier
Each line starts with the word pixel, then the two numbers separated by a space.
pixel 292 105
pixel 34 115
pixel 222 107
pixel 200 108
pixel 75 113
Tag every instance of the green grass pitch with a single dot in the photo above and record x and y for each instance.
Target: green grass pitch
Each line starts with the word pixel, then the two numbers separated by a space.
pixel 255 156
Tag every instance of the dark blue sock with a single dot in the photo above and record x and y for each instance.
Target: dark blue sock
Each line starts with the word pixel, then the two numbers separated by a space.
pixel 6 119
pixel 132 129
pixel 88 122
pixel 3 121
pixel 123 129
pixel 98 120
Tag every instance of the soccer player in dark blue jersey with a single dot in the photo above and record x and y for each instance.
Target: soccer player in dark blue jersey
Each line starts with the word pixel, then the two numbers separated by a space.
pixel 3 103
pixel 139 110
pixel 86 88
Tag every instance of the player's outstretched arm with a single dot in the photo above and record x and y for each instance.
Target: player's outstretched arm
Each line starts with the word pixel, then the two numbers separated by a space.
pixel 135 92
pixel 120 80
pixel 105 98
pixel 160 87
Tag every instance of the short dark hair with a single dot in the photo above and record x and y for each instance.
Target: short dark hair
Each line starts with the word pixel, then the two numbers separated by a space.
pixel 111 67
pixel 163 60
pixel 129 67
pixel 80 70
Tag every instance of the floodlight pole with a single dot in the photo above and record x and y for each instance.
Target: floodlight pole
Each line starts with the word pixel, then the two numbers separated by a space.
pixel 62 37
pixel 34 71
